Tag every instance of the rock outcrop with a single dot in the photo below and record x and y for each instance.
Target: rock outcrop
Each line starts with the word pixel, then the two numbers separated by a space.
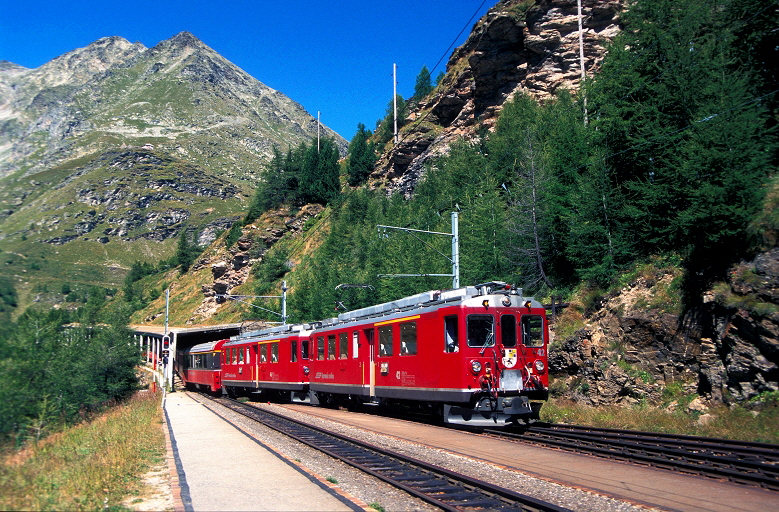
pixel 514 47
pixel 230 268
pixel 726 350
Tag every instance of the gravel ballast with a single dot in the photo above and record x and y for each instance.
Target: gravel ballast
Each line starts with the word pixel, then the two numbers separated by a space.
pixel 374 491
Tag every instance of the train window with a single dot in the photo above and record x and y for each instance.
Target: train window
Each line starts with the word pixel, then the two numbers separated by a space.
pixel 355 344
pixel 481 331
pixel 216 361
pixel 385 340
pixel 343 345
pixel 234 350
pixel 408 338
pixel 294 349
pixel 248 355
pixel 508 330
pixel 533 331
pixel 274 352
pixel 320 347
pixel 451 334
pixel 331 346
pixel 240 356
pixel 264 353
pixel 304 349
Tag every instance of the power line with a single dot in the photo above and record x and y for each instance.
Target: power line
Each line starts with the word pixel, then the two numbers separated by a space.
pixel 350 191
pixel 446 52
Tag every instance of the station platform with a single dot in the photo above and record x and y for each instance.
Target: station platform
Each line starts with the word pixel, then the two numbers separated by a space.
pixel 214 467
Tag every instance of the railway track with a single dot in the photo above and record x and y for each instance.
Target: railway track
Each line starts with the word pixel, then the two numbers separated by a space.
pixel 738 461
pixel 438 486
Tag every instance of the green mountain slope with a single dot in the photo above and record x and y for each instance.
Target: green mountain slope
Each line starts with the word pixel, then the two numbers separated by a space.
pixel 107 152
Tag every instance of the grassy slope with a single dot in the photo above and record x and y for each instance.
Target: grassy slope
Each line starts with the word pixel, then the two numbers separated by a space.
pixel 92 466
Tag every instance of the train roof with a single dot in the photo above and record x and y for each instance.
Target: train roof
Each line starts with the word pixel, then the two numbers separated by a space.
pixel 205 347
pixel 280 330
pixel 430 299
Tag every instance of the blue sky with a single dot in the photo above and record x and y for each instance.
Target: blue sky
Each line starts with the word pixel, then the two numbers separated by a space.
pixel 330 56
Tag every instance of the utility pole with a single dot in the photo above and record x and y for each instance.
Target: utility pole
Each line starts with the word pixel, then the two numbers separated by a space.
pixel 167 304
pixel 455 251
pixel 455 259
pixel 283 297
pixel 395 98
pixel 581 59
pixel 283 303
pixel 167 369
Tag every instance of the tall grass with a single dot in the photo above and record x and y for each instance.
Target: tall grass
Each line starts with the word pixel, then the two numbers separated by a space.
pixel 88 467
pixel 748 424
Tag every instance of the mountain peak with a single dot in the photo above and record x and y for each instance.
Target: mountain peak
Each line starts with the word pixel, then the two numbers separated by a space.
pixel 82 64
pixel 185 38
pixel 179 43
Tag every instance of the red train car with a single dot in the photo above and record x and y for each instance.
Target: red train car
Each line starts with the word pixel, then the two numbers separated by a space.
pixel 477 355
pixel 199 366
pixel 271 361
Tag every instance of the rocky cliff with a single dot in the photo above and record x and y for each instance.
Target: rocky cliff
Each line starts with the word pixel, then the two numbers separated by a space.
pixel 635 345
pixel 519 45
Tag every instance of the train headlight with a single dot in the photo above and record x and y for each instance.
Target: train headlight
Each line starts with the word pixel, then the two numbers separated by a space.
pixel 540 366
pixel 506 301
pixel 475 366
pixel 306 370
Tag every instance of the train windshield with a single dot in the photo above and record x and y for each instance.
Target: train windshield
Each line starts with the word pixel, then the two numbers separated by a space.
pixel 481 330
pixel 533 330
pixel 304 349
pixel 508 330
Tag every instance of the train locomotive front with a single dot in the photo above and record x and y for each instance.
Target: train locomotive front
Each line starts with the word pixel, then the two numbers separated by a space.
pixel 477 355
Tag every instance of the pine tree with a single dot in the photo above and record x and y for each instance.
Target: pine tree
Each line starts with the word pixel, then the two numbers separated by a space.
pixel 688 141
pixel 271 190
pixel 517 157
pixel 186 253
pixel 439 78
pixel 361 157
pixel 386 126
pixel 423 86
pixel 320 174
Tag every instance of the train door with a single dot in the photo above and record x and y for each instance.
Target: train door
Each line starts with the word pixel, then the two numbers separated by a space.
pixel 371 367
pixel 255 366
pixel 508 340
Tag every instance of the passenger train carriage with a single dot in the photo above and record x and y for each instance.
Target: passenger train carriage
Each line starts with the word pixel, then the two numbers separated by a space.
pixel 477 354
pixel 200 366
pixel 273 361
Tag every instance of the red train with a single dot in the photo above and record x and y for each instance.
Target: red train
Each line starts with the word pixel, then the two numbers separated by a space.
pixel 272 361
pixel 476 355
pixel 200 366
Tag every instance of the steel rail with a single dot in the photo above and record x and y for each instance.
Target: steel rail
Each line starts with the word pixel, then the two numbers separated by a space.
pixel 739 461
pixel 435 485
